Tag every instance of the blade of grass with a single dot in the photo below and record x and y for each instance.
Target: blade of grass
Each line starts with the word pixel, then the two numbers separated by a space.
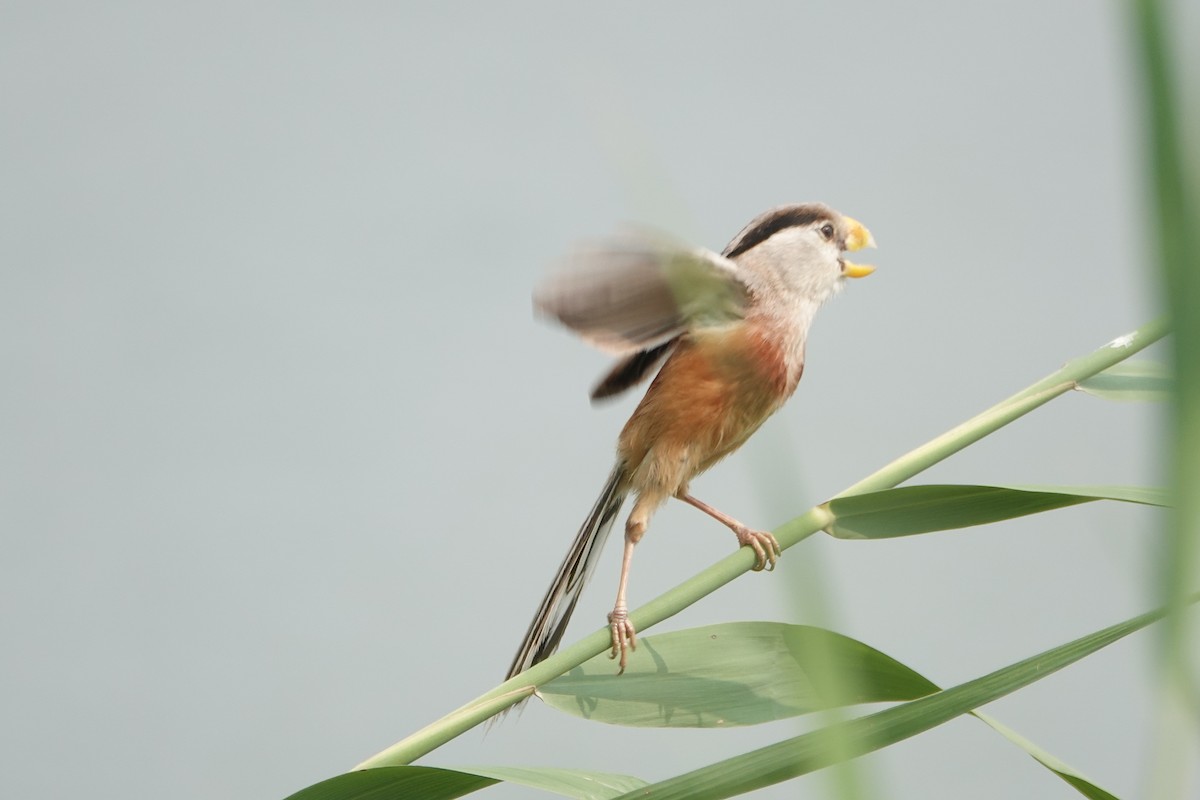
pixel 1133 381
pixel 437 783
pixel 431 782
pixel 911 510
pixel 1064 771
pixel 734 673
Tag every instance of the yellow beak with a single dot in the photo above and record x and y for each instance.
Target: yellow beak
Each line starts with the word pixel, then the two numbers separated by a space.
pixel 858 238
pixel 852 270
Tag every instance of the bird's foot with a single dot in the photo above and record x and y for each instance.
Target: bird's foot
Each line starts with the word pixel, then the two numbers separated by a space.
pixel 765 545
pixel 624 636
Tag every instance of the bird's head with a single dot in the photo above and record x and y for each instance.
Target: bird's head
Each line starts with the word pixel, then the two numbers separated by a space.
pixel 795 251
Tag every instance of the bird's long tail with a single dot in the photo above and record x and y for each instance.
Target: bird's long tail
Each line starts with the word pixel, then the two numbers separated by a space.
pixel 548 626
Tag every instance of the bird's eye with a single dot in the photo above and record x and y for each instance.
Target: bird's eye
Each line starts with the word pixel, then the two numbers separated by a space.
pixel 827 231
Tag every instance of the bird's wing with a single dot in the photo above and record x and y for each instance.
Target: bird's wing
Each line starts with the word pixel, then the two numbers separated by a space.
pixel 632 370
pixel 634 294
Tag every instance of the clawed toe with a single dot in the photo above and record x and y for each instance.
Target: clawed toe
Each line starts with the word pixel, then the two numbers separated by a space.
pixel 765 545
pixel 624 636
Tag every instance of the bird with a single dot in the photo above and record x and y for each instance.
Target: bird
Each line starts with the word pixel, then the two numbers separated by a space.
pixel 726 334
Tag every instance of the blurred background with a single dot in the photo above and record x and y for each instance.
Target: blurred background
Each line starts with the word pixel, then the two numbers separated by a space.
pixel 286 462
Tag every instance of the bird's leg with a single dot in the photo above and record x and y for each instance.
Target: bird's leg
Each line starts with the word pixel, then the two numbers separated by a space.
pixel 764 544
pixel 624 635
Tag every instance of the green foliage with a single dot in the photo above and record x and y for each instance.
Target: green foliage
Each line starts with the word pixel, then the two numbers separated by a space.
pixel 1173 217
pixel 1132 382
pixel 432 783
pixel 910 510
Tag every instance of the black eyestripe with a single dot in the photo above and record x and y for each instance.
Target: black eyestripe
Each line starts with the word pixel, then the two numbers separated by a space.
pixel 772 223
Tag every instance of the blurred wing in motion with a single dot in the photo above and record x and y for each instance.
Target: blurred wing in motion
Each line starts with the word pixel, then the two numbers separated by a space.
pixel 632 295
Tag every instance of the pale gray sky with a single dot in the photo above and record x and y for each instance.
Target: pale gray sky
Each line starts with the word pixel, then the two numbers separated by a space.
pixel 286 463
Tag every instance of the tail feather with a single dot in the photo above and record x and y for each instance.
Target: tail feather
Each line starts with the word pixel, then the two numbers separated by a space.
pixel 550 623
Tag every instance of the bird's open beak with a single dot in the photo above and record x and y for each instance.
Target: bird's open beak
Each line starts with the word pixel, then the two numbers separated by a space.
pixel 858 238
